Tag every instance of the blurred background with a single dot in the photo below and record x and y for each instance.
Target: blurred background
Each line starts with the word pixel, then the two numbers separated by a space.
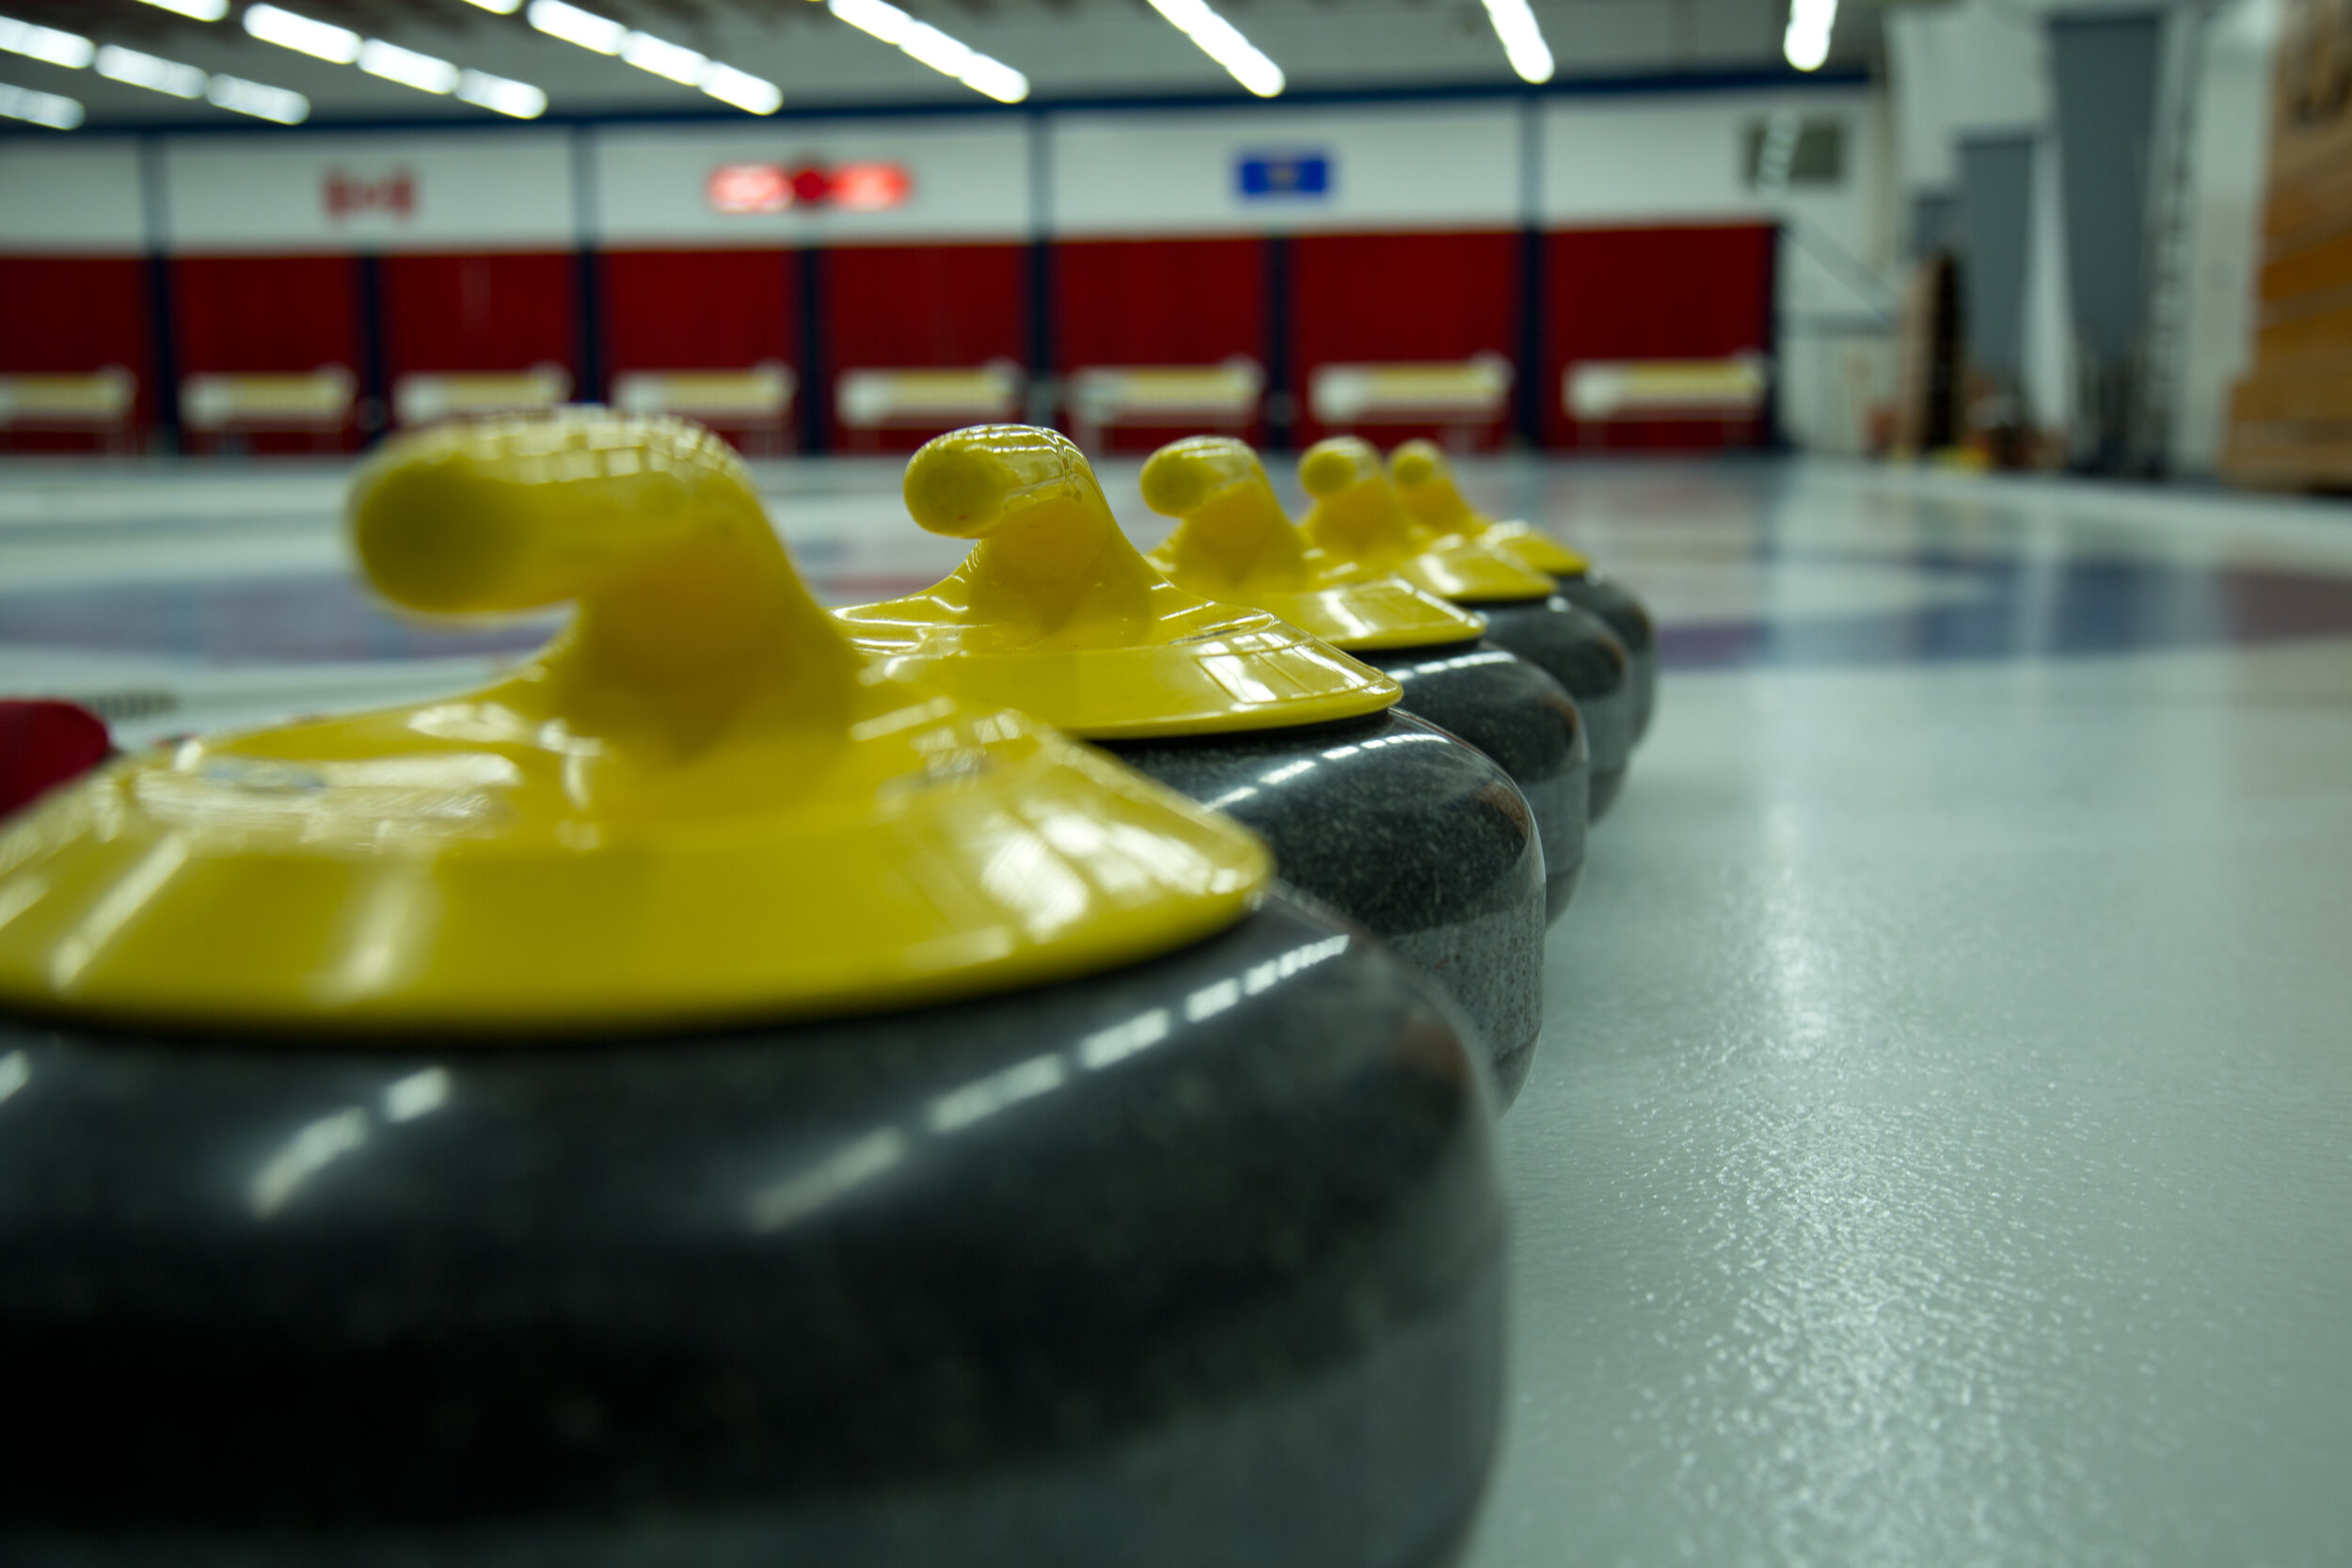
pixel 2113 239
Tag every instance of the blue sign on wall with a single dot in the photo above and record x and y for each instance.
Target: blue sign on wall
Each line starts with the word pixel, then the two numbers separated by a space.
pixel 1273 176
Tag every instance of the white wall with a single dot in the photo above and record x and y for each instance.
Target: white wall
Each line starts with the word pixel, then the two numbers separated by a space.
pixel 970 180
pixel 477 191
pixel 1610 162
pixel 1979 66
pixel 78 196
pixel 1392 167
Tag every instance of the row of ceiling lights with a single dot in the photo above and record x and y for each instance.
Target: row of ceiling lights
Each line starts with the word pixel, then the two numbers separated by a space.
pixel 1807 45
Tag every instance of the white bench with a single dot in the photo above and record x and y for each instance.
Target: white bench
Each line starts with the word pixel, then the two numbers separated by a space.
pixel 100 403
pixel 1459 395
pixel 1732 390
pixel 315 403
pixel 428 397
pixel 1220 399
pixel 755 403
pixel 868 400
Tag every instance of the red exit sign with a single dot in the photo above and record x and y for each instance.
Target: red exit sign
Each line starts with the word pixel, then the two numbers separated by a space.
pixel 775 187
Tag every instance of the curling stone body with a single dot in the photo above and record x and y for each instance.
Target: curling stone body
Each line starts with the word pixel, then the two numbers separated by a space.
pixel 1233 541
pixel 1424 479
pixel 1055 613
pixel 1576 649
pixel 700 1101
pixel 1402 828
pixel 1522 719
pixel 1196 1261
pixel 1626 617
pixel 1359 515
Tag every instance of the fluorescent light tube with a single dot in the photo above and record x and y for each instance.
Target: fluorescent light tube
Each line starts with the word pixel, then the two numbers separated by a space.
pixel 933 48
pixel 41 108
pixel 660 57
pixel 405 65
pixel 320 39
pixel 1806 41
pixel 519 98
pixel 751 94
pixel 1523 42
pixel 118 64
pixel 203 10
pixel 1223 42
pixel 574 25
pixel 505 8
pixel 239 96
pixel 46 45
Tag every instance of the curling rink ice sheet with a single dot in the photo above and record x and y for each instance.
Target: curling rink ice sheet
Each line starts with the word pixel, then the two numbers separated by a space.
pixel 1940 1145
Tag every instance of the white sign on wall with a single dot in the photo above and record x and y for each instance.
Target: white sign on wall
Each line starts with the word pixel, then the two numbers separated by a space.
pixel 495 191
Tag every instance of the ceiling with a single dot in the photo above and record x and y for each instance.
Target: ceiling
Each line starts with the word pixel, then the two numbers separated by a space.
pixel 1068 49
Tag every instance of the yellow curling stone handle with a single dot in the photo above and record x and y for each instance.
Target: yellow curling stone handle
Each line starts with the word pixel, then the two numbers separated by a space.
pixel 1233 541
pixel 1056 613
pixel 1358 517
pixel 1426 480
pixel 697 805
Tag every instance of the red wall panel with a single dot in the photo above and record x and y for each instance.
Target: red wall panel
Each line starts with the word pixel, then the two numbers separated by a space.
pixel 75 314
pixel 699 310
pixel 926 304
pixel 502 312
pixel 1158 302
pixel 1653 293
pixel 1357 297
pixel 922 305
pixel 264 314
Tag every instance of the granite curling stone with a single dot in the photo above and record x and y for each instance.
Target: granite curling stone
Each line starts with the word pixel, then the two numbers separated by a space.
pixel 702 1101
pixel 1232 542
pixel 1426 480
pixel 1397 825
pixel 1358 517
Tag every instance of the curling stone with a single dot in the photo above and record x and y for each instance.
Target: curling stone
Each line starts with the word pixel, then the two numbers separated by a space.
pixel 44 743
pixel 1356 517
pixel 700 1101
pixel 1396 824
pixel 1425 482
pixel 1232 542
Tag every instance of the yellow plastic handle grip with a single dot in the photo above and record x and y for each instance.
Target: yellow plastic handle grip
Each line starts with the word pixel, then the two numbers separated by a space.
pixel 1186 476
pixel 1426 480
pixel 1338 464
pixel 1419 462
pixel 970 484
pixel 513 514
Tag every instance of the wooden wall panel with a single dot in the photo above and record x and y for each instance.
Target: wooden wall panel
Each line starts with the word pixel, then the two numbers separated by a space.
pixel 2291 417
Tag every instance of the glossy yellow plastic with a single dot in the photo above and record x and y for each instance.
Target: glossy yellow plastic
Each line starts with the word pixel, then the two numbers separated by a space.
pixel 1356 517
pixel 1426 480
pixel 1233 541
pixel 1055 613
pixel 697 805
